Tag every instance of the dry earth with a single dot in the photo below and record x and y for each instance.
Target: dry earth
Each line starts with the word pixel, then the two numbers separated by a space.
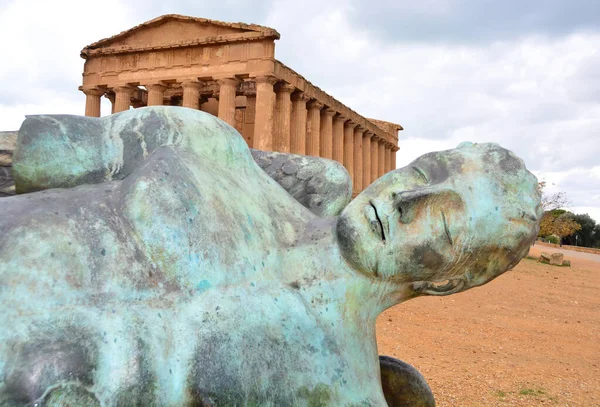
pixel 529 338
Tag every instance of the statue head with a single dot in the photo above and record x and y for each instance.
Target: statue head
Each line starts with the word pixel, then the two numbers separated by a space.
pixel 448 221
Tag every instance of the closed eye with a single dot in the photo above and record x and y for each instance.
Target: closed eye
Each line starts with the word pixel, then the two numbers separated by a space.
pixel 446 228
pixel 421 174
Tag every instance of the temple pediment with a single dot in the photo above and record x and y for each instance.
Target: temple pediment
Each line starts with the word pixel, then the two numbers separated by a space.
pixel 172 31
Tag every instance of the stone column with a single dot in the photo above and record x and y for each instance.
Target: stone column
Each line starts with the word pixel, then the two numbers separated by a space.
pixel 358 160
pixel 388 158
pixel 227 92
pixel 338 138
pixel 381 157
pixel 92 102
pixel 263 120
pixel 349 147
pixel 282 119
pixel 123 96
pixel 393 160
pixel 366 180
pixel 156 93
pixel 298 125
pixel 326 133
pixel 313 128
pixel 374 158
pixel 191 93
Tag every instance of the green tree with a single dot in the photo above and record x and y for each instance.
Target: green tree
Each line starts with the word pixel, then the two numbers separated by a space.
pixel 596 238
pixel 585 235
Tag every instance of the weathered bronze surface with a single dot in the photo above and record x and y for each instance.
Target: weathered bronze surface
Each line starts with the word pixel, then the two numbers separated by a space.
pixel 168 268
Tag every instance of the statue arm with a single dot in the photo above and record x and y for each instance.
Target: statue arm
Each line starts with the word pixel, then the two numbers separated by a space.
pixel 61 151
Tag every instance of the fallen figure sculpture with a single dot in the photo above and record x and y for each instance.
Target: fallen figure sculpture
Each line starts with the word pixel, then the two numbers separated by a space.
pixel 158 264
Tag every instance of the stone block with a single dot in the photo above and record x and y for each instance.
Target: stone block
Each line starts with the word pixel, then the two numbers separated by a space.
pixel 556 259
pixel 545 257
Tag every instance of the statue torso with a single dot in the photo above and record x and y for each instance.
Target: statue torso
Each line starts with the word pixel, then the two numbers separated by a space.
pixel 167 288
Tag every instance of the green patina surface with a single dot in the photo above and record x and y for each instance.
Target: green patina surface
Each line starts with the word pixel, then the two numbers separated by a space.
pixel 170 269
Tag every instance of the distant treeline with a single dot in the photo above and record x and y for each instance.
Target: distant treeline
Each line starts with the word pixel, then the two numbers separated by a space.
pixel 564 227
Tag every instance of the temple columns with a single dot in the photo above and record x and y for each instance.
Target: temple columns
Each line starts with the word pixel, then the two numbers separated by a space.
pixel 381 157
pixel 227 92
pixel 123 96
pixel 282 119
pixel 366 159
pixel 326 133
pixel 191 94
pixel 298 124
pixel 313 128
pixel 349 147
pixel 388 158
pixel 393 158
pixel 358 160
pixel 263 121
pixel 338 138
pixel 156 93
pixel 92 102
pixel 374 158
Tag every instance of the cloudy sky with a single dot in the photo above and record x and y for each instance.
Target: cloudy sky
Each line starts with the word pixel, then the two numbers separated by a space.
pixel 522 73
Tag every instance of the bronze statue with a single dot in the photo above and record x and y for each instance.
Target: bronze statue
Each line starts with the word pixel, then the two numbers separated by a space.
pixel 158 264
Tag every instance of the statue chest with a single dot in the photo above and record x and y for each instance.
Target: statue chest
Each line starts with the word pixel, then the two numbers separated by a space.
pixel 225 349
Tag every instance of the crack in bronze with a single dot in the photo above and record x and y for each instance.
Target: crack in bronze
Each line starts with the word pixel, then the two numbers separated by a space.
pixel 379 221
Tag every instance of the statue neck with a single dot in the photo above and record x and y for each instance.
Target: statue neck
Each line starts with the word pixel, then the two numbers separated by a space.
pixel 315 266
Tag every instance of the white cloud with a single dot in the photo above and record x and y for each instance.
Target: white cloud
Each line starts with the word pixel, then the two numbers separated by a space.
pixel 525 94
pixel 42 40
pixel 593 211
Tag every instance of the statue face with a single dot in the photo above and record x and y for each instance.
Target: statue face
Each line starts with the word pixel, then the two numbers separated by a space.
pixel 461 215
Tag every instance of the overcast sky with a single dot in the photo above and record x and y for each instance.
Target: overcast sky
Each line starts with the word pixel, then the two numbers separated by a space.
pixel 522 73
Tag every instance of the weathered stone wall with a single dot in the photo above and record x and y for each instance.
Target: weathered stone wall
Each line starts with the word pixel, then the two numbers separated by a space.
pixel 8 140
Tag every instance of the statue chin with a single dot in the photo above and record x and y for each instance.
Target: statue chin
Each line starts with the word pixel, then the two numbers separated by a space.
pixel 347 237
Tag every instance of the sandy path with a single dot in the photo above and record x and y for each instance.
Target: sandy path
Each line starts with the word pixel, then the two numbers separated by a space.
pixel 529 338
pixel 569 254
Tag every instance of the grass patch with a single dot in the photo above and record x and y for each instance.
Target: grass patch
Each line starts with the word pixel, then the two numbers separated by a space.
pixel 531 392
pixel 554 265
pixel 500 394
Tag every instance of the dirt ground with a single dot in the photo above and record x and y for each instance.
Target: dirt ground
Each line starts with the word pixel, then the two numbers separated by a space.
pixel 529 338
